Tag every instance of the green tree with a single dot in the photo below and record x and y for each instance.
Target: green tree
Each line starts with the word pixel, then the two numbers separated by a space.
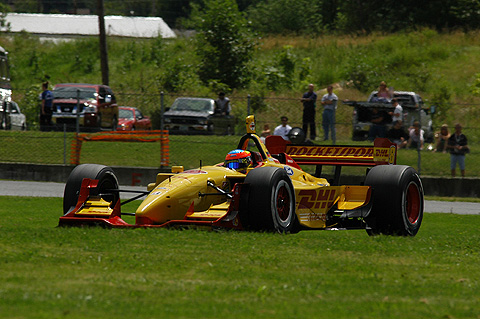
pixel 4 10
pixel 287 16
pixel 224 43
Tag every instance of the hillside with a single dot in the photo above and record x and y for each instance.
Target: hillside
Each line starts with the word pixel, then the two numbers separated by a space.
pixel 441 67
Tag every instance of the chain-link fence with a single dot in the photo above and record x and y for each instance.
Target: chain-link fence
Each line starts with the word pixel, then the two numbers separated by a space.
pixel 54 147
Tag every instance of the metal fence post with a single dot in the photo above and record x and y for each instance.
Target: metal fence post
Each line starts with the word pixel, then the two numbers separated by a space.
pixel 162 109
pixel 64 144
pixel 419 144
pixel 78 112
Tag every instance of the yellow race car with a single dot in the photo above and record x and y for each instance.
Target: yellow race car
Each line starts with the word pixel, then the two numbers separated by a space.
pixel 262 187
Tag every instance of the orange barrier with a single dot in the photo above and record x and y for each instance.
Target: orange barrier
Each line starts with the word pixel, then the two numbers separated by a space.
pixel 122 136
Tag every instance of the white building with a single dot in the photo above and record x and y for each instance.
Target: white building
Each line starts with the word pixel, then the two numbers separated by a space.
pixel 66 25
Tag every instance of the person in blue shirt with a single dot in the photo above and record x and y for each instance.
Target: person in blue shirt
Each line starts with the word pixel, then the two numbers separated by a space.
pixel 47 108
pixel 458 147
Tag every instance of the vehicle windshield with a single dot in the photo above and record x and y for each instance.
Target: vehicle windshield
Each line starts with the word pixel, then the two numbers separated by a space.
pixel 199 105
pixel 70 92
pixel 125 114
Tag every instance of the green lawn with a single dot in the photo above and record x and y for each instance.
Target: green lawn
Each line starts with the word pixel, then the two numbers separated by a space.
pixel 50 148
pixel 50 272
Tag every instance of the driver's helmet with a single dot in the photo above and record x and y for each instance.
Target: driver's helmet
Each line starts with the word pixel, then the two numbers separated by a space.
pixel 238 160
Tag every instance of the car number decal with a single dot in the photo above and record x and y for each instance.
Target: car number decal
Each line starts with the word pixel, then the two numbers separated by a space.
pixel 289 170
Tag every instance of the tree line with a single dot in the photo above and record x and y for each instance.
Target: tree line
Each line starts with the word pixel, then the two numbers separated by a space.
pixel 291 16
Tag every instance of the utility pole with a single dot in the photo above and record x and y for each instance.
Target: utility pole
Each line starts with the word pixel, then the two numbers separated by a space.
pixel 153 11
pixel 103 42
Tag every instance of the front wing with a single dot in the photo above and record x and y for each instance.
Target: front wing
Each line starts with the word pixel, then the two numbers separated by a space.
pixel 94 210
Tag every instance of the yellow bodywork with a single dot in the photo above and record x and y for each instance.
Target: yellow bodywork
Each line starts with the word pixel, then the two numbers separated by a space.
pixel 181 194
pixel 172 198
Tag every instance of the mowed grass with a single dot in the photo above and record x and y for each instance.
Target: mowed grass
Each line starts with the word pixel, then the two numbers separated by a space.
pixel 51 272
pixel 187 150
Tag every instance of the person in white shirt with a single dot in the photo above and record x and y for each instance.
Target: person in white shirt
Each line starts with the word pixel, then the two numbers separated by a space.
pixel 397 114
pixel 416 136
pixel 329 102
pixel 283 129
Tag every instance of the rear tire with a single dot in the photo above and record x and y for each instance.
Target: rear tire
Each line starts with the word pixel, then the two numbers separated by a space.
pixel 397 197
pixel 105 175
pixel 270 202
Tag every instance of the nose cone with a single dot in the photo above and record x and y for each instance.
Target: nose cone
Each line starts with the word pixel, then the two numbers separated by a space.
pixel 171 198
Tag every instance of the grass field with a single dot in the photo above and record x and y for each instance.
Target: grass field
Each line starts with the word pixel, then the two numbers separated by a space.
pixel 50 272
pixel 48 148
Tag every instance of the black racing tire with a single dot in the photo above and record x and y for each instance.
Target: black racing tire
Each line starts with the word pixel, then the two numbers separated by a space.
pixel 398 200
pixel 106 180
pixel 270 202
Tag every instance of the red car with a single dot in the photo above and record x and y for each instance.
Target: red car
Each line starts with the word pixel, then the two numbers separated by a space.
pixel 131 119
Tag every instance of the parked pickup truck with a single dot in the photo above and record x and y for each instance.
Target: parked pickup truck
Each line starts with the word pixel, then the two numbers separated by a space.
pixel 98 108
pixel 189 115
pixel 411 103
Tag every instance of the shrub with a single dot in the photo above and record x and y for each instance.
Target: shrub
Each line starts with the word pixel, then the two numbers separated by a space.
pixel 224 43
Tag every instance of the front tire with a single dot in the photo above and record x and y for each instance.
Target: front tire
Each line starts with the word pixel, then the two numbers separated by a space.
pixel 106 180
pixel 270 202
pixel 398 200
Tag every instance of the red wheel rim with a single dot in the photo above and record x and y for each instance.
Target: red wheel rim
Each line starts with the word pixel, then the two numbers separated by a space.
pixel 413 204
pixel 283 203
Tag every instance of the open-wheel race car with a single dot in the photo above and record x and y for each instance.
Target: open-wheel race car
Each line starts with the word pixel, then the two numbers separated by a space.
pixel 261 187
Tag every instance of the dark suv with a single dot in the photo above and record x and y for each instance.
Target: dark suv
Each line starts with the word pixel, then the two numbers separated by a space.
pixel 411 103
pixel 189 115
pixel 97 106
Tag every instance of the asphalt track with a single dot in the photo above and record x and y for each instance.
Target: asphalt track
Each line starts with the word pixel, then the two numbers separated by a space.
pixel 44 189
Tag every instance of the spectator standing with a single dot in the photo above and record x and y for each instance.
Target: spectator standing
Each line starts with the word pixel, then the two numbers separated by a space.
pixel 46 108
pixel 222 104
pixel 378 128
pixel 416 136
pixel 309 100
pixel 398 135
pixel 441 139
pixel 283 129
pixel 458 146
pixel 329 102
pixel 397 114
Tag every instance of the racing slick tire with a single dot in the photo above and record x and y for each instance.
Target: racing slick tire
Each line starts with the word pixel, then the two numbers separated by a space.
pixel 106 180
pixel 397 195
pixel 270 202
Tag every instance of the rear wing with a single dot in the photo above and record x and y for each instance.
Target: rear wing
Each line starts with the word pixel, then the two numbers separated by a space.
pixel 382 152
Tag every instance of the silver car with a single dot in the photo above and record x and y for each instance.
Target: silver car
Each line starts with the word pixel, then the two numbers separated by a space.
pixel 11 117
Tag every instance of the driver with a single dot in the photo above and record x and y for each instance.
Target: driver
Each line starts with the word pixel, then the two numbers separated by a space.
pixel 238 160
